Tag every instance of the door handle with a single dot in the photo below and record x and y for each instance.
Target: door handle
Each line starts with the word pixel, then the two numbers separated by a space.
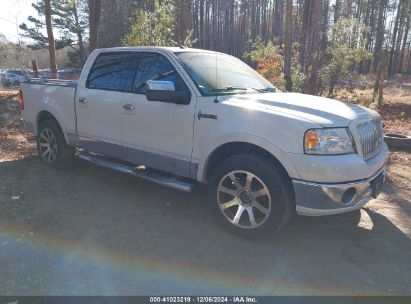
pixel 128 107
pixel 82 100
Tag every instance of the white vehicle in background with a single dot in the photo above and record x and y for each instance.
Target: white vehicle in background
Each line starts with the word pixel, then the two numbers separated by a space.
pixel 175 116
pixel 44 74
pixel 9 79
pixel 21 75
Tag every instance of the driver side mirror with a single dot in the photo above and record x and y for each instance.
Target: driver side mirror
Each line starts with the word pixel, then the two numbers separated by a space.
pixel 164 91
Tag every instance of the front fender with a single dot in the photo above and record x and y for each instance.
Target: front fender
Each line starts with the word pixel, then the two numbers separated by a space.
pixel 263 143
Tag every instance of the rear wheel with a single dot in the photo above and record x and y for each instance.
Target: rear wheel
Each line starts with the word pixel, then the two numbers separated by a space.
pixel 250 195
pixel 51 145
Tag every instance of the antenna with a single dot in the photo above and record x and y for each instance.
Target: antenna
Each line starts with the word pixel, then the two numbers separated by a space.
pixel 216 72
pixel 216 75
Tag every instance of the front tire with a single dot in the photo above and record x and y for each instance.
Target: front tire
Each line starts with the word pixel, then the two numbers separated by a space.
pixel 251 195
pixel 51 145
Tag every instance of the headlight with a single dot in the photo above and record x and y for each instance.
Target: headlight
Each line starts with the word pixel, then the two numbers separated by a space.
pixel 328 141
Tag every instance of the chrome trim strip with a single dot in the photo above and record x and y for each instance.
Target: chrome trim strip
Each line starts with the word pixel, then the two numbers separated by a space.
pixel 369 134
pixel 99 146
pixel 316 199
pixel 301 210
pixel 173 164
pixel 157 153
pixel 350 183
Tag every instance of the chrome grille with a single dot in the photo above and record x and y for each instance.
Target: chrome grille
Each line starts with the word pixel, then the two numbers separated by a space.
pixel 370 134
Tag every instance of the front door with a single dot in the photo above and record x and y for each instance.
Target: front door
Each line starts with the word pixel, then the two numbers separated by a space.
pixel 158 134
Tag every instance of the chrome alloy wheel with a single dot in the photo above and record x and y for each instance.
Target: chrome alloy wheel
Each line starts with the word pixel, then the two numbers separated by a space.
pixel 244 199
pixel 48 146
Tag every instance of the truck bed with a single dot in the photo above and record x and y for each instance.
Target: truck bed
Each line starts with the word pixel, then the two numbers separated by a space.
pixel 49 95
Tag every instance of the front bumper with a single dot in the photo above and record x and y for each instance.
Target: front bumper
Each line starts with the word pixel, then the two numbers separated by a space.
pixel 316 199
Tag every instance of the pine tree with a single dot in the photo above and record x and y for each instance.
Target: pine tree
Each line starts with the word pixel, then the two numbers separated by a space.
pixel 69 18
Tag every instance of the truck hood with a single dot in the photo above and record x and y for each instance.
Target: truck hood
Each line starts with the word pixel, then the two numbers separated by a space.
pixel 324 111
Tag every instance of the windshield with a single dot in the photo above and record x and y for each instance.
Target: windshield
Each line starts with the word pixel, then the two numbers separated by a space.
pixel 218 74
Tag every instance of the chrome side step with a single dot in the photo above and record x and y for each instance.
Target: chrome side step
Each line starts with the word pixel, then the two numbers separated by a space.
pixel 152 176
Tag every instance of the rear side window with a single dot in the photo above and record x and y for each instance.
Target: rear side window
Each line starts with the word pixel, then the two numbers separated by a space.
pixel 154 66
pixel 112 71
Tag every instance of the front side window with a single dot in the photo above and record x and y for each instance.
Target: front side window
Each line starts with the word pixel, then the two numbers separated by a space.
pixel 112 71
pixel 216 74
pixel 154 66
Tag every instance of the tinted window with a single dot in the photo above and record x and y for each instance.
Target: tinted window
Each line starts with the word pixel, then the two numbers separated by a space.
pixel 152 66
pixel 112 71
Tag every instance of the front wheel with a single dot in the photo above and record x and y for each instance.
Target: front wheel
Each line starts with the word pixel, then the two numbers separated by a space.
pixel 250 195
pixel 51 145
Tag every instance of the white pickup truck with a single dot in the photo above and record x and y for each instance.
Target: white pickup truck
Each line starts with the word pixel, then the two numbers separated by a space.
pixel 178 115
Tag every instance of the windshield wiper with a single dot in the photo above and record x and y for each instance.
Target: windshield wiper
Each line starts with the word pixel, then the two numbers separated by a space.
pixel 229 88
pixel 235 88
pixel 264 90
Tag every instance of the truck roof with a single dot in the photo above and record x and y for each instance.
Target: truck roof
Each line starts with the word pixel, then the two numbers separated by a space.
pixel 167 48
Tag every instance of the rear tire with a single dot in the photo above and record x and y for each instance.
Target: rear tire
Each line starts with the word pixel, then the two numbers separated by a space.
pixel 251 196
pixel 51 145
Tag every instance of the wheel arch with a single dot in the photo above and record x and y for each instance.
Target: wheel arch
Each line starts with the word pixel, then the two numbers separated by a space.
pixel 228 149
pixel 44 115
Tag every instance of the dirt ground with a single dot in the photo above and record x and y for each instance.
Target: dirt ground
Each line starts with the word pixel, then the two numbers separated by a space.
pixel 90 231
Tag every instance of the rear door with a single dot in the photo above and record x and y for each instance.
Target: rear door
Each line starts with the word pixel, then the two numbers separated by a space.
pixel 99 102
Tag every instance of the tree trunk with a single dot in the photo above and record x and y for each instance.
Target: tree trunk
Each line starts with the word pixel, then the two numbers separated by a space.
pixel 337 10
pixel 359 10
pixel 288 45
pixel 409 59
pixel 82 50
pixel 367 36
pixel 231 30
pixel 35 68
pixel 405 38
pixel 347 10
pixel 379 39
pixel 315 36
pixel 280 37
pixel 115 21
pixel 201 36
pixel 395 37
pixel 326 8
pixel 50 37
pixel 184 20
pixel 397 51
pixel 94 8
pixel 378 84
pixel 304 28
pixel 371 34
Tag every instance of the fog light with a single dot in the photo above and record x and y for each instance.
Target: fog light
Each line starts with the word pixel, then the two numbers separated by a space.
pixel 348 195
